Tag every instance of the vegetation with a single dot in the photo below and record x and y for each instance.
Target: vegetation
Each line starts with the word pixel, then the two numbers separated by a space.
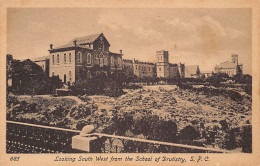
pixel 99 81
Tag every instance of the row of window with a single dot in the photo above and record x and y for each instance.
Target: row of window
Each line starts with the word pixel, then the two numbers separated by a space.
pixel 79 59
pixel 229 72
pixel 143 68
pixel 58 58
pixel 113 61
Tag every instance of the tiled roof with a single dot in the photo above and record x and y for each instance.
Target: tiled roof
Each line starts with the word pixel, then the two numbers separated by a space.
pixel 40 58
pixel 86 39
pixel 80 40
pixel 227 65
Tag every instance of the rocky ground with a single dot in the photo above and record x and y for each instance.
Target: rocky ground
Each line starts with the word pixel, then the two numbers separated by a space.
pixel 184 107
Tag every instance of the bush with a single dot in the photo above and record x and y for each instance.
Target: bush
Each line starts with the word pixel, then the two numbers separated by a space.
pixel 188 134
pixel 81 111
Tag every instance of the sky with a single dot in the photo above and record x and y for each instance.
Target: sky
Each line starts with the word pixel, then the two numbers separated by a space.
pixel 203 37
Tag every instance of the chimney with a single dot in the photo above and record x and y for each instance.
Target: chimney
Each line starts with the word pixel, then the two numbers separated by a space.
pixel 75 42
pixel 121 52
pixel 51 46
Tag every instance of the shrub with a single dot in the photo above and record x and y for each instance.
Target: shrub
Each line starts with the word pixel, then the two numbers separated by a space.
pixel 188 134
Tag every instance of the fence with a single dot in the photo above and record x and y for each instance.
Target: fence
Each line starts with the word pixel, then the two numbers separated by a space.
pixel 31 138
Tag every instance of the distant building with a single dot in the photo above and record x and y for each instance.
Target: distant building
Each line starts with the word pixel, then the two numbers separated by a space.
pixel 69 60
pixel 44 63
pixel 231 68
pixel 24 73
pixel 164 69
pixel 192 71
pixel 143 69
pixel 139 68
pixel 128 66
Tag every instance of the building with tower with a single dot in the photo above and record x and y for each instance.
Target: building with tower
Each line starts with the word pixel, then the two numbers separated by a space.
pixel 231 68
pixel 69 60
pixel 164 69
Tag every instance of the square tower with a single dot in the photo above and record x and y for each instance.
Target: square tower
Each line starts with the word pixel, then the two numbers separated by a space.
pixel 162 56
pixel 162 65
pixel 234 58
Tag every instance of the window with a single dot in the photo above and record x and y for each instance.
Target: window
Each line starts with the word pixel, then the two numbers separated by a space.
pixel 70 57
pixel 79 57
pixel 52 59
pixel 112 61
pixel 52 73
pixel 65 59
pixel 89 58
pixel 70 76
pixel 149 69
pixel 119 61
pixel 159 69
pixel 135 67
pixel 58 59
pixel 103 61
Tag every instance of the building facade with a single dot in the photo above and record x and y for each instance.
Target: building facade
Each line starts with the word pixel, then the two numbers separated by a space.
pixel 143 69
pixel 164 69
pixel 69 60
pixel 231 68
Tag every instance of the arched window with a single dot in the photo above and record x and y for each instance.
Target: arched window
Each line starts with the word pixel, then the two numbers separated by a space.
pixel 65 58
pixel 58 59
pixel 89 58
pixel 79 57
pixel 53 59
pixel 70 57
pixel 70 76
pixel 119 61
pixel 112 61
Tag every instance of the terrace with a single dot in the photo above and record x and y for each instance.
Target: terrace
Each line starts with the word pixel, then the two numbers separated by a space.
pixel 31 138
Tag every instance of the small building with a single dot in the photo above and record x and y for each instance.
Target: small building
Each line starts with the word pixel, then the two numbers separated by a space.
pixel 231 68
pixel 43 62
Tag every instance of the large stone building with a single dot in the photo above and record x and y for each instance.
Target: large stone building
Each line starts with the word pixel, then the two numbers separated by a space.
pixel 164 69
pixel 231 68
pixel 139 68
pixel 69 60
pixel 143 69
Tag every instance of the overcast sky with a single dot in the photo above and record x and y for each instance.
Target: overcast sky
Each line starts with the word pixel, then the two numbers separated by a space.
pixel 205 37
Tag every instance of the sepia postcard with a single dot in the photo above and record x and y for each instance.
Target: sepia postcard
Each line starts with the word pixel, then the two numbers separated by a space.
pixel 130 83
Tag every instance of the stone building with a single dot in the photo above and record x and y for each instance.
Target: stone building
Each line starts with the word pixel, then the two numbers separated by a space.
pixel 128 66
pixel 143 69
pixel 69 60
pixel 139 68
pixel 231 68
pixel 164 69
